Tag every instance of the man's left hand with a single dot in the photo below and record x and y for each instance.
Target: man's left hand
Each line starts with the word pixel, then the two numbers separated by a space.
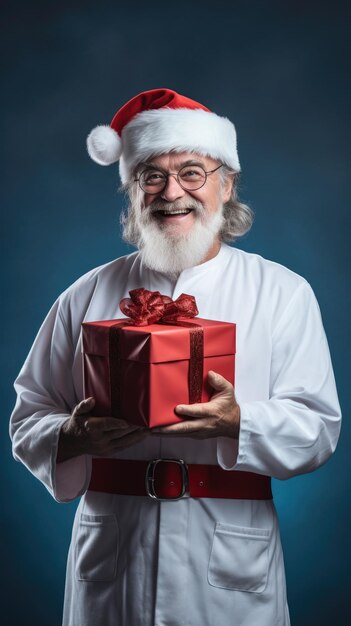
pixel 220 417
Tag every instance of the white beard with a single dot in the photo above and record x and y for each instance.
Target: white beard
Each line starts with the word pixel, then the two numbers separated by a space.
pixel 166 251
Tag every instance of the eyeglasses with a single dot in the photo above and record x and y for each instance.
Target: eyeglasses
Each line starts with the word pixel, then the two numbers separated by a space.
pixel 189 177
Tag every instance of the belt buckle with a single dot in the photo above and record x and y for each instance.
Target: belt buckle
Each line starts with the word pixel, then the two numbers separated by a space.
pixel 150 479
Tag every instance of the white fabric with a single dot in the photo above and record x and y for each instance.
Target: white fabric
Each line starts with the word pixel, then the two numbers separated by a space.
pixel 158 131
pixel 136 562
pixel 104 145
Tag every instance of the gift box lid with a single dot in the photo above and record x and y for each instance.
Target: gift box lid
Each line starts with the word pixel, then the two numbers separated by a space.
pixel 158 343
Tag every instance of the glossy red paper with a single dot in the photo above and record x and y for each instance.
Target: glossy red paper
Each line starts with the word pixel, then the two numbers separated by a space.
pixel 153 367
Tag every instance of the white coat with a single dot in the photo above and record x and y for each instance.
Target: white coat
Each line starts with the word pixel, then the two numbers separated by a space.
pixel 137 562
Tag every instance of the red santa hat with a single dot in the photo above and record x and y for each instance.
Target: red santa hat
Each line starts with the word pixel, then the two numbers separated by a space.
pixel 157 122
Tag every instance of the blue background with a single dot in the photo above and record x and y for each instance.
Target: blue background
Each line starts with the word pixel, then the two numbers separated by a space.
pixel 280 71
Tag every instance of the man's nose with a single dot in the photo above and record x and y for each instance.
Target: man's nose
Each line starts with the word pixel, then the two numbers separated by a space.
pixel 172 190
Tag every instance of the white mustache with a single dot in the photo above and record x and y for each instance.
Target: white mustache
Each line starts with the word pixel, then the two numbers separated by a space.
pixel 161 205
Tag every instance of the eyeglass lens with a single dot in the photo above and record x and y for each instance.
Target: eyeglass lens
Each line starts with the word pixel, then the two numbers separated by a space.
pixel 189 177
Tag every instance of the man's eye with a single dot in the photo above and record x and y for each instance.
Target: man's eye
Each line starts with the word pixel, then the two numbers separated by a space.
pixel 153 177
pixel 192 173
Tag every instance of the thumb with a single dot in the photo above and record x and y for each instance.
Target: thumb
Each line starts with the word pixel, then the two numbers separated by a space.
pixel 218 382
pixel 84 407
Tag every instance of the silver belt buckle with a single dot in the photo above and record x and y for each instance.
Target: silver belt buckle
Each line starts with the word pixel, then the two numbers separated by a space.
pixel 150 479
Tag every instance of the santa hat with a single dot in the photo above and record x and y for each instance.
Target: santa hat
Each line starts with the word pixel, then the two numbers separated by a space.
pixel 157 122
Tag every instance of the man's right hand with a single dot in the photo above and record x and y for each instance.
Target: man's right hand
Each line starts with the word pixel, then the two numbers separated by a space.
pixel 98 436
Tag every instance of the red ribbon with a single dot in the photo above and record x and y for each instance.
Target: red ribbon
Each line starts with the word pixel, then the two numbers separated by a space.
pixel 150 307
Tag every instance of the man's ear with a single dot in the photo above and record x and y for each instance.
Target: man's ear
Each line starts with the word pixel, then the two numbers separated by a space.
pixel 228 186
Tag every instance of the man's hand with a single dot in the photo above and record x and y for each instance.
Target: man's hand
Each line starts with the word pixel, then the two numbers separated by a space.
pixel 99 436
pixel 220 417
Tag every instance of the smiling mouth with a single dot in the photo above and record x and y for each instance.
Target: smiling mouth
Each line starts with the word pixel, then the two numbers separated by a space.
pixel 174 212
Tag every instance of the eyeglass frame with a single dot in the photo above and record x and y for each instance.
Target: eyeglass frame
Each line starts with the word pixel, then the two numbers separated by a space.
pixel 176 174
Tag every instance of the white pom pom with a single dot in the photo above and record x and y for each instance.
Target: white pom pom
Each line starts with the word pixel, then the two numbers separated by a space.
pixel 104 145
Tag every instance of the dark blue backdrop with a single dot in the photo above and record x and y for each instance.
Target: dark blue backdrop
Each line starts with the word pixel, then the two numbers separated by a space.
pixel 280 72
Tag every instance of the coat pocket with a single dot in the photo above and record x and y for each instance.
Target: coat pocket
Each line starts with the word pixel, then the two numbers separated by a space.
pixel 97 548
pixel 239 558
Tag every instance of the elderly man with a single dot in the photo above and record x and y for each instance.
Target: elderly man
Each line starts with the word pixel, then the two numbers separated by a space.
pixel 214 559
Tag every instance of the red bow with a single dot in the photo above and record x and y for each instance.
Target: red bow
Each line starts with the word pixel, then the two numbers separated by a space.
pixel 148 307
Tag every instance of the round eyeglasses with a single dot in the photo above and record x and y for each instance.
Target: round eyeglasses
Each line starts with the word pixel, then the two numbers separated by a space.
pixel 189 177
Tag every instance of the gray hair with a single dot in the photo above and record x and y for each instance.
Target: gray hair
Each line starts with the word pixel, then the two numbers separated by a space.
pixel 238 217
pixel 129 219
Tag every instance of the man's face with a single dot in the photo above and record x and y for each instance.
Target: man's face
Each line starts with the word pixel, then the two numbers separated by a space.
pixel 211 196
pixel 172 243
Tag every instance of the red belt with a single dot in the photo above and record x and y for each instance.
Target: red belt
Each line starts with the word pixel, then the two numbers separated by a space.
pixel 172 479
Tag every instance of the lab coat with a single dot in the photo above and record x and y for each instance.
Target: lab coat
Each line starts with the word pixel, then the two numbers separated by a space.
pixel 137 562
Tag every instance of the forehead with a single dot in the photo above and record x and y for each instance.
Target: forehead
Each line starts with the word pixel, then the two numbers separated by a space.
pixel 175 160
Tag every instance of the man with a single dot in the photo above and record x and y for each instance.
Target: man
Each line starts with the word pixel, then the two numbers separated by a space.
pixel 217 559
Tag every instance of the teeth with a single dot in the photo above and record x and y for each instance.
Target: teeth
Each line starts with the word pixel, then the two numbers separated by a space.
pixel 176 212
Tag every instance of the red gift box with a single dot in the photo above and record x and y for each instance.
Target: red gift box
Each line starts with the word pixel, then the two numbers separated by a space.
pixel 140 373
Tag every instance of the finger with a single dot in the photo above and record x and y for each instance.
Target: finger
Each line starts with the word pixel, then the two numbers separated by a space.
pixel 114 423
pixel 200 409
pixel 187 427
pixel 85 406
pixel 218 382
pixel 128 440
pixel 106 424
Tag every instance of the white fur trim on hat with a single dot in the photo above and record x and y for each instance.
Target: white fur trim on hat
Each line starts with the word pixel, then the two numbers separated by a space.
pixel 104 145
pixel 158 131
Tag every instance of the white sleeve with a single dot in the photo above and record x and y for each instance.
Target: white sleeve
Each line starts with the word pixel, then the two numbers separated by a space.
pixel 297 428
pixel 45 399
